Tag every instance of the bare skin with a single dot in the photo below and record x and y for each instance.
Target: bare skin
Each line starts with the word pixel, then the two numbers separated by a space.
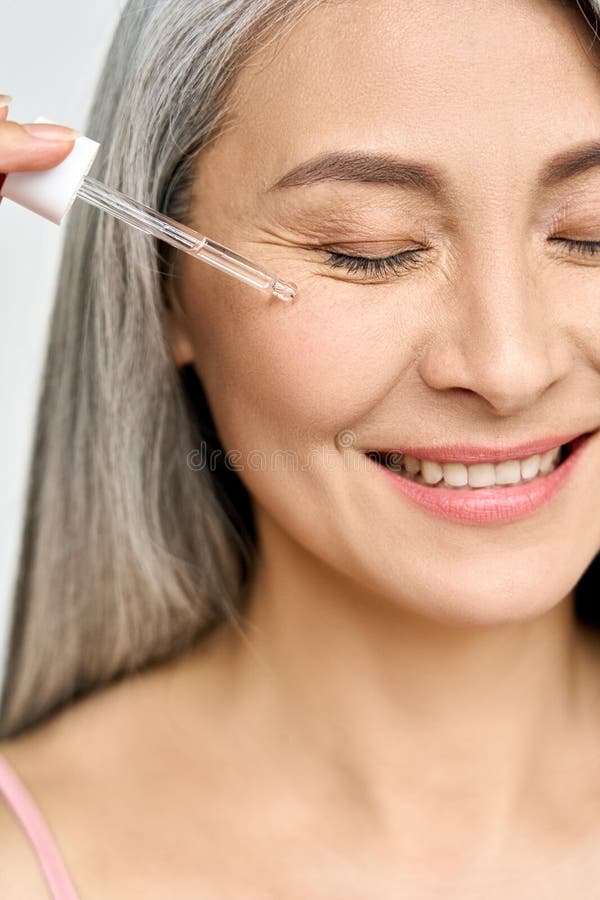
pixel 412 709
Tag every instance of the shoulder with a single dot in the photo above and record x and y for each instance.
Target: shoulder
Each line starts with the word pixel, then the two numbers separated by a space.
pixel 89 749
pixel 20 872
pixel 57 762
pixel 93 770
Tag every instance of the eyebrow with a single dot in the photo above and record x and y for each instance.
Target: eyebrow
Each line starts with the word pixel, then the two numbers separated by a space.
pixel 570 162
pixel 368 168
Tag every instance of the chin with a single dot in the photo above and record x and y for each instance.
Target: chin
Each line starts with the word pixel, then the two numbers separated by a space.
pixel 475 592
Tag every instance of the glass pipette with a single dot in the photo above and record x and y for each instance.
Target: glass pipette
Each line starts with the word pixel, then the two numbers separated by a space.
pixel 151 222
pixel 50 193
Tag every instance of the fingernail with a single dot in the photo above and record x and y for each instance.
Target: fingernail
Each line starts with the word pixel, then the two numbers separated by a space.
pixel 52 132
pixel 5 99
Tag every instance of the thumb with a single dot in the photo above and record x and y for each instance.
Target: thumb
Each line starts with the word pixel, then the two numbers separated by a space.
pixel 36 146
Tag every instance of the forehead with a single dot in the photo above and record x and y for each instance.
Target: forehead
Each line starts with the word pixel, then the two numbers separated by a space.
pixel 508 82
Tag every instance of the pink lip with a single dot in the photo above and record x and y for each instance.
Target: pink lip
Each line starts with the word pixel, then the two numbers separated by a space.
pixel 488 505
pixel 467 453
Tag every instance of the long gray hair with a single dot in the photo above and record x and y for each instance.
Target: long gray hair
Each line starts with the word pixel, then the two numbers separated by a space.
pixel 129 554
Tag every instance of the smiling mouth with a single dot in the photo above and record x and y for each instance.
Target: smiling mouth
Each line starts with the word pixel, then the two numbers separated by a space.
pixel 471 477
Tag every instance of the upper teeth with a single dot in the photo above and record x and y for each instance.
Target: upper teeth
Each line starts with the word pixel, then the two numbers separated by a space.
pixel 455 474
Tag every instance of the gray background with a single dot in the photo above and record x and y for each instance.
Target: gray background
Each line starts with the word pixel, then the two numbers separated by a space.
pixel 50 57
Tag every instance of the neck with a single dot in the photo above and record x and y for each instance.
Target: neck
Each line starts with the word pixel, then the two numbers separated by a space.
pixel 408 720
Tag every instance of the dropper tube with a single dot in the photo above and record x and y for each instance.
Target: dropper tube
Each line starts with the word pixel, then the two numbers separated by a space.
pixel 154 223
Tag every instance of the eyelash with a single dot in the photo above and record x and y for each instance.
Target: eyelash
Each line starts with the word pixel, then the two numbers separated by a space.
pixel 379 266
pixel 409 259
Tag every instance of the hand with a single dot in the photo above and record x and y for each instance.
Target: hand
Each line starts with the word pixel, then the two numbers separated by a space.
pixel 21 150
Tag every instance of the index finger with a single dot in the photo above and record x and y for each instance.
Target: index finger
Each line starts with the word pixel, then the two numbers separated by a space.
pixel 4 101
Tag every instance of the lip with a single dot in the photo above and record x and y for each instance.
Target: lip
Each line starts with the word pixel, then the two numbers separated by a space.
pixel 488 505
pixel 468 453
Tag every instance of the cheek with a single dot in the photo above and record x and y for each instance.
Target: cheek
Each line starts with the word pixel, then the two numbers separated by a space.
pixel 299 371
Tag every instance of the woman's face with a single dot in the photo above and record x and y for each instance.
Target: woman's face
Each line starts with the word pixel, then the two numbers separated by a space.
pixel 490 337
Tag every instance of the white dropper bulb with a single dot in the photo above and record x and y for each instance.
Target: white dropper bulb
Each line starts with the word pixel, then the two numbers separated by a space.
pixel 51 192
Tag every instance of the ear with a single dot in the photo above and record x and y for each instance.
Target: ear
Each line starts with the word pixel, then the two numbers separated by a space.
pixel 177 328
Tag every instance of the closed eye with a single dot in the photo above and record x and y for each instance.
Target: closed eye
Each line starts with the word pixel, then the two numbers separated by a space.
pixel 584 248
pixel 398 263
pixel 379 267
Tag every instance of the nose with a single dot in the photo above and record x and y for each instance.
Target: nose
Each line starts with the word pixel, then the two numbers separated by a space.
pixel 497 332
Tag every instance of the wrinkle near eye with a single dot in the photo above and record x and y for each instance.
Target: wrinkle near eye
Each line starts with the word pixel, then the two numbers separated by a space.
pixel 355 219
pixel 320 225
pixel 354 232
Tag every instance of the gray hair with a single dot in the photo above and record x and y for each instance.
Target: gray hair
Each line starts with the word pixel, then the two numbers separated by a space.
pixel 128 554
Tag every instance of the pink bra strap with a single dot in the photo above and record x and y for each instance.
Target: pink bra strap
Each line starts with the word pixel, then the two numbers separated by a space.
pixel 30 817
